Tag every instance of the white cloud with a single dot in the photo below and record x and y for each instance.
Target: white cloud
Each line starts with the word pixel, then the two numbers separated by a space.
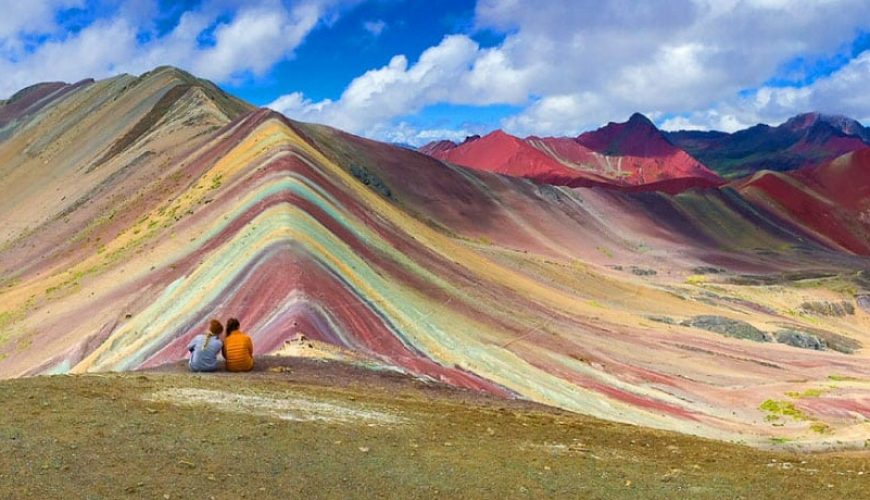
pixel 843 92
pixel 86 54
pixel 711 119
pixel 594 65
pixel 249 37
pixel 396 89
pixel 405 133
pixel 33 16
pixel 576 64
pixel 256 39
pixel 456 71
pixel 556 115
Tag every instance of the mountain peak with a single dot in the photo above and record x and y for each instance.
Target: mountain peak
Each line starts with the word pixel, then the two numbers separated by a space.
pixel 806 121
pixel 637 137
pixel 638 119
pixel 435 148
pixel 171 76
pixel 497 133
pixel 170 71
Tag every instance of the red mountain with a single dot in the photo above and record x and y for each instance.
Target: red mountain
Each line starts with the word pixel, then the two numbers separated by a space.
pixel 646 154
pixel 831 201
pixel 503 153
pixel 632 156
pixel 636 137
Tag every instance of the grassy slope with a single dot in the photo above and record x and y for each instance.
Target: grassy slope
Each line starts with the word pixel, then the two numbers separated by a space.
pixel 97 436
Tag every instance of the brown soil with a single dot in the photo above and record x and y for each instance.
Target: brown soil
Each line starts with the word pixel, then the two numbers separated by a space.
pixel 112 436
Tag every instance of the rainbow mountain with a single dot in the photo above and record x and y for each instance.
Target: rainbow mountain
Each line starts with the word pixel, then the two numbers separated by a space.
pixel 137 208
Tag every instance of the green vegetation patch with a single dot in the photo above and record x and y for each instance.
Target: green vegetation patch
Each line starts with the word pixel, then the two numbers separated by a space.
pixel 371 180
pixel 696 279
pixel 606 251
pixel 809 393
pixel 833 341
pixel 780 408
pixel 6 319
pixel 797 338
pixel 825 308
pixel 820 427
pixel 727 326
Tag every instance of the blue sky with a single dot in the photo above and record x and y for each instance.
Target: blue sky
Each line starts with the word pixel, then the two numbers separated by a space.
pixel 364 37
pixel 416 70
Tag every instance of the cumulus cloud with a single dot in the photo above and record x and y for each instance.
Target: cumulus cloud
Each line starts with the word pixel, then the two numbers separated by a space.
pixel 407 134
pixel 666 57
pixel 576 64
pixel 843 92
pixel 219 39
pixel 393 90
pixel 256 39
pixel 33 16
pixel 456 71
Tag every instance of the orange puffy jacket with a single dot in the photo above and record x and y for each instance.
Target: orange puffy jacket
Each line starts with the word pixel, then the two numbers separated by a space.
pixel 238 350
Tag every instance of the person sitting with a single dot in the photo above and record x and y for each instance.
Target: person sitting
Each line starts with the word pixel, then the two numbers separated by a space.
pixel 205 347
pixel 238 349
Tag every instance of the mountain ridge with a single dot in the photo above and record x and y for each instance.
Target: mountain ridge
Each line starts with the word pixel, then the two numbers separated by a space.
pixel 805 140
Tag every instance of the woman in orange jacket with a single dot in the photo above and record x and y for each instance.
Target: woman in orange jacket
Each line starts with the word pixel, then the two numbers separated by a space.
pixel 238 349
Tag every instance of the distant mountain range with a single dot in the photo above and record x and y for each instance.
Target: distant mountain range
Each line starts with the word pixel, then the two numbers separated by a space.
pixel 637 156
pixel 809 139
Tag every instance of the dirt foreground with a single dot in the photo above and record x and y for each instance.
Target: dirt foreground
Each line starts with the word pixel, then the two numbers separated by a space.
pixel 304 428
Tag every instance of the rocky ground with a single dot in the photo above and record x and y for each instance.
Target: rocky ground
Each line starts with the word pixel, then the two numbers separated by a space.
pixel 304 427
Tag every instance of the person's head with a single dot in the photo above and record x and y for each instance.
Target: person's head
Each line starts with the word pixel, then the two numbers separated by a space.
pixel 215 327
pixel 232 325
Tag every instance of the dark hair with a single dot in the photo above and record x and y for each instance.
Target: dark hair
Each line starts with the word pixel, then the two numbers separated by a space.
pixel 216 328
pixel 232 325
